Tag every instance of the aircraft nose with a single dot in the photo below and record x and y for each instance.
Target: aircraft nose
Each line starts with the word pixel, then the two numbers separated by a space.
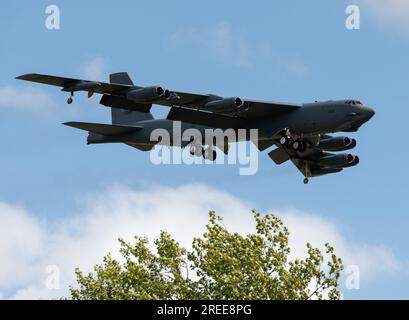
pixel 369 113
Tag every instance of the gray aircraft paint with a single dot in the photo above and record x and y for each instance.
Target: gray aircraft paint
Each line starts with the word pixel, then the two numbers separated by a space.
pixel 298 124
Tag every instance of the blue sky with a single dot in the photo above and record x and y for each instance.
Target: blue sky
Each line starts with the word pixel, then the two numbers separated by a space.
pixel 295 51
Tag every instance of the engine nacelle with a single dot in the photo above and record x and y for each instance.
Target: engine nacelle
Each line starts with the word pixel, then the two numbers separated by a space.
pixel 314 172
pixel 338 160
pixel 226 105
pixel 147 94
pixel 337 144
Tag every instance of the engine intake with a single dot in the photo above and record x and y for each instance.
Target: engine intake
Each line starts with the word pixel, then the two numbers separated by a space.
pixel 147 94
pixel 226 105
pixel 337 144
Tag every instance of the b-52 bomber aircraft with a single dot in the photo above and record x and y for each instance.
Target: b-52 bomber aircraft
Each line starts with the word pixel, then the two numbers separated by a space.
pixel 300 132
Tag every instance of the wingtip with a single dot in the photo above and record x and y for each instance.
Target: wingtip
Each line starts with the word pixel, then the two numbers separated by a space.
pixel 26 76
pixel 69 123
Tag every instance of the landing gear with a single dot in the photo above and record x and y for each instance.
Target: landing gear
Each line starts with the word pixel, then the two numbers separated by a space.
pixel 296 145
pixel 210 154
pixel 69 100
pixel 306 173
pixel 283 140
pixel 286 141
pixel 196 151
pixel 299 146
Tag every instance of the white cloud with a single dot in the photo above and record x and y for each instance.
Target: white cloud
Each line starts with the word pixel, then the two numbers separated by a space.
pixel 229 46
pixel 95 69
pixel 373 260
pixel 21 244
pixel 25 98
pixel 389 13
pixel 28 245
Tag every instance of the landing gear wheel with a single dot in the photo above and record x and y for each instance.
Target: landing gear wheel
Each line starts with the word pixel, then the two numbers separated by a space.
pixel 286 141
pixel 69 100
pixel 196 151
pixel 305 180
pixel 299 146
pixel 283 141
pixel 308 144
pixel 214 155
pixel 210 154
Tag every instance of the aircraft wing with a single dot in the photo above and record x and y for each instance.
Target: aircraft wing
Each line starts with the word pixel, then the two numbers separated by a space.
pixel 204 118
pixel 141 146
pixel 256 108
pixel 185 99
pixel 115 96
pixel 71 84
pixel 260 109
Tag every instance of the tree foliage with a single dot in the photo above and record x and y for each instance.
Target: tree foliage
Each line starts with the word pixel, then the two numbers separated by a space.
pixel 220 265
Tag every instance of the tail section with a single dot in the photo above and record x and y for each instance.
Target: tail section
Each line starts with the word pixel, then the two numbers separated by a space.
pixel 103 133
pixel 120 78
pixel 121 116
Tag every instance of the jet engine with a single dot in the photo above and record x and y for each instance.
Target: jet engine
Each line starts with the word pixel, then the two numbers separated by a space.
pixel 319 171
pixel 147 94
pixel 337 144
pixel 338 160
pixel 226 105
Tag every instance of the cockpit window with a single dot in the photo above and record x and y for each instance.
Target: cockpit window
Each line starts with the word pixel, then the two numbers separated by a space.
pixel 353 102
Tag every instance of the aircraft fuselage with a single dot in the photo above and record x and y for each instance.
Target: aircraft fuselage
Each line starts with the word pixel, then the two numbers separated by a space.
pixel 311 119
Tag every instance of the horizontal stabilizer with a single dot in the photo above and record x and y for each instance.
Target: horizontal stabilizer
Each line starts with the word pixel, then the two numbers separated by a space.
pixel 142 146
pixel 104 129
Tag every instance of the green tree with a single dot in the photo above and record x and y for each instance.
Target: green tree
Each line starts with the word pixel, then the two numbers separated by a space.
pixel 221 265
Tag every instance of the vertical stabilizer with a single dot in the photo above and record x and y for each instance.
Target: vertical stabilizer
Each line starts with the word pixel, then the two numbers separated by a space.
pixel 121 116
